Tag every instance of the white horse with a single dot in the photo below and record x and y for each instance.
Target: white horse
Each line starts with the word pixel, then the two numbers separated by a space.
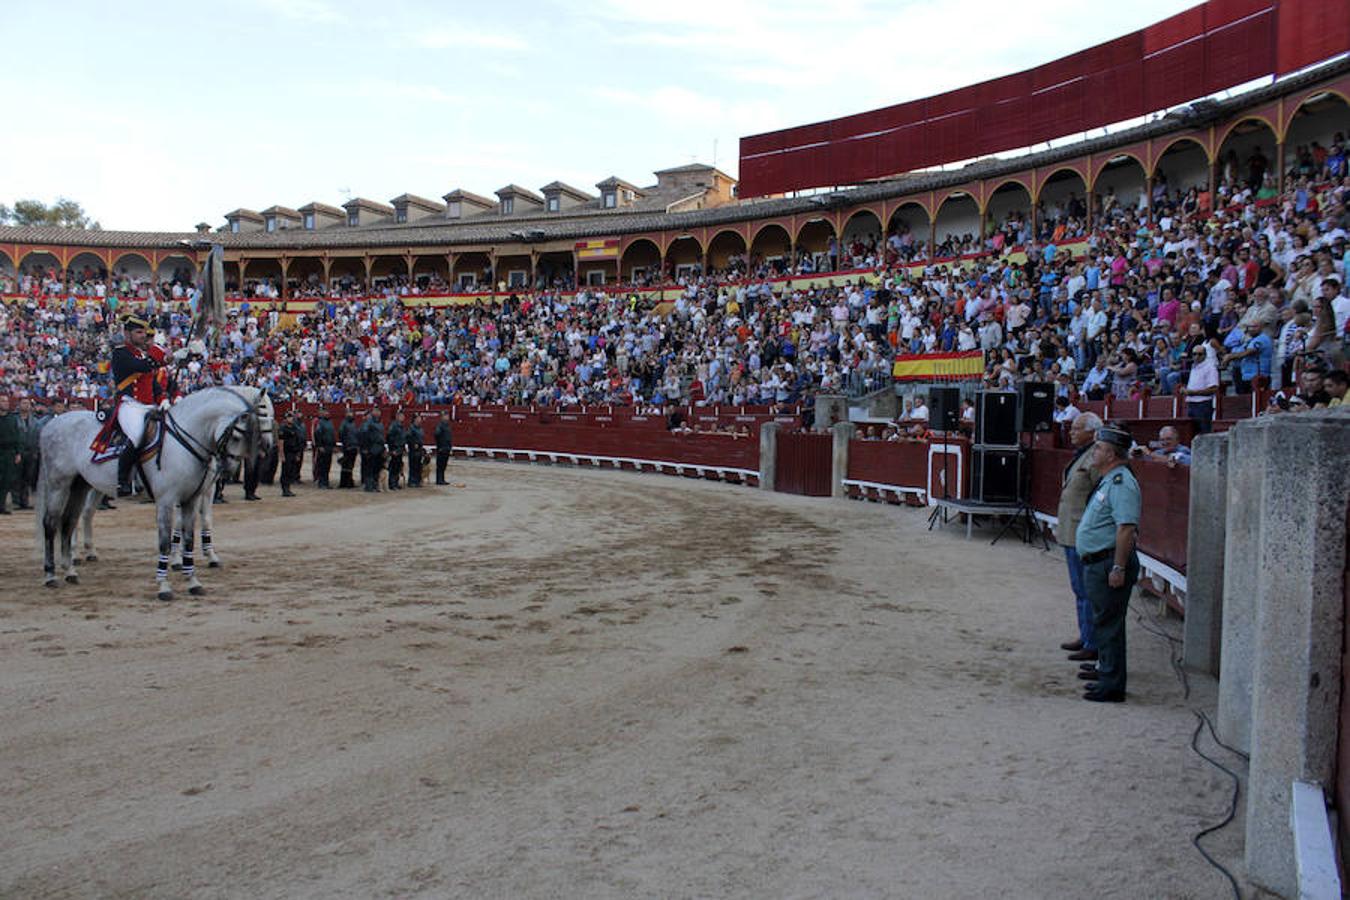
pixel 198 431
pixel 204 510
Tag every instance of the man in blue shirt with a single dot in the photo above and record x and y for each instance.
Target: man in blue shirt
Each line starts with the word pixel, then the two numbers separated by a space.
pixel 1254 358
pixel 1105 543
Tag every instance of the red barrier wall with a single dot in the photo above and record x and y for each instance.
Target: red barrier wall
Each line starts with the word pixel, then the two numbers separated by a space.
pixel 1206 49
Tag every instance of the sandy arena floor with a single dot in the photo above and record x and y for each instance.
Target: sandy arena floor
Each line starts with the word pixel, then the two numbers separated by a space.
pixel 580 684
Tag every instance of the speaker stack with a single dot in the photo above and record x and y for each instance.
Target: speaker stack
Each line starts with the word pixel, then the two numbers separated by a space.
pixel 998 475
pixel 944 409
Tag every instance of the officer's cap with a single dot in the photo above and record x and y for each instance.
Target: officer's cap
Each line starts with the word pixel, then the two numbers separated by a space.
pixel 131 323
pixel 1116 437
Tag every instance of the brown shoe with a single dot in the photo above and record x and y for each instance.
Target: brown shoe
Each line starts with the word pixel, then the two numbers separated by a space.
pixel 1071 646
pixel 1083 655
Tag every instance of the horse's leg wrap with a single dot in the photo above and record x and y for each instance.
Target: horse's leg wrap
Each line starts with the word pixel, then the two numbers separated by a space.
pixel 162 570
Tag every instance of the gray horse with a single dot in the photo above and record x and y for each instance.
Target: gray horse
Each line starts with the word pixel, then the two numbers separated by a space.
pixel 199 430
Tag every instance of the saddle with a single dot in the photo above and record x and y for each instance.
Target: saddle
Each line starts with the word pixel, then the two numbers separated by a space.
pixel 110 441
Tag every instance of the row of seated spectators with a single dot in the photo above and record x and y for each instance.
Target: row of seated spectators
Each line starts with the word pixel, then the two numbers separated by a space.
pixel 1242 292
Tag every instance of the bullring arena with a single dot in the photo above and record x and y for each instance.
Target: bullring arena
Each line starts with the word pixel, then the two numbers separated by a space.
pixel 565 682
pixel 798 523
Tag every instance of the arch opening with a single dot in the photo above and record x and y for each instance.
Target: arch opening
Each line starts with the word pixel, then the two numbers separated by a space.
pixel 860 246
pixel 640 263
pixel 1008 217
pixel 958 226
pixel 1061 210
pixel 1246 163
pixel 727 254
pixel 684 259
pixel 907 232
pixel 1120 188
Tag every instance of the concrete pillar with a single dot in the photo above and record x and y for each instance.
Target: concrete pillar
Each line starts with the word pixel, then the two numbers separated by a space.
pixel 1246 474
pixel 843 433
pixel 1296 689
pixel 830 408
pixel 768 455
pixel 1205 536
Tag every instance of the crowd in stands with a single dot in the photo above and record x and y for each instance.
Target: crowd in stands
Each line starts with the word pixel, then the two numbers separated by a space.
pixel 1251 283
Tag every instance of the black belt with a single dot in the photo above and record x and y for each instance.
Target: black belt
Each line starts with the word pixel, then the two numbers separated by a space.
pixel 1088 559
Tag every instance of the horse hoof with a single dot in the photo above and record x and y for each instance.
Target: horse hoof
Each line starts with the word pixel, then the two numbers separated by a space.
pixel 165 596
pixel 197 591
pixel 72 579
pixel 91 557
pixel 177 567
pixel 214 564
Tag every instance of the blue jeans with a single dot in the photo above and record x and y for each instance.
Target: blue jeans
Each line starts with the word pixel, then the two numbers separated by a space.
pixel 1080 597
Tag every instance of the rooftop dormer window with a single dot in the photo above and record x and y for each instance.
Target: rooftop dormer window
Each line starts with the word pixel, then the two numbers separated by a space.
pixel 553 204
pixel 271 223
pixel 309 221
pixel 508 205
pixel 353 218
pixel 611 199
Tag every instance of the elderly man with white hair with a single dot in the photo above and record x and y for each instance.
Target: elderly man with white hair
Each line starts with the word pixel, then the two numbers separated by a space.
pixel 1076 487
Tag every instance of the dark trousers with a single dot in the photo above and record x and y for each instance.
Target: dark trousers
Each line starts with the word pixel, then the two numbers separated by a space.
pixel 268 469
pixel 290 469
pixel 371 464
pixel 1109 608
pixel 9 477
pixel 442 457
pixel 251 472
pixel 1201 412
pixel 414 469
pixel 395 470
pixel 27 478
pixel 347 463
pixel 323 462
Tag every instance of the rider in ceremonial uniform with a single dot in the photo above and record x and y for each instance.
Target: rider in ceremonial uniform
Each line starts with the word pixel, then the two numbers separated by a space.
pixel 142 385
pixel 1105 543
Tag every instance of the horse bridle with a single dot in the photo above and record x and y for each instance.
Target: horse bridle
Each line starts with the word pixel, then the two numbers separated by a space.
pixel 204 454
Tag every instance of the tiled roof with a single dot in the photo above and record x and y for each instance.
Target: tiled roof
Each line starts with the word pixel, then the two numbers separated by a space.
pixel 561 188
pixel 464 196
pixel 242 213
pixel 317 207
pixel 615 181
pixel 515 190
pixel 589 221
pixel 372 205
pixel 284 211
pixel 414 200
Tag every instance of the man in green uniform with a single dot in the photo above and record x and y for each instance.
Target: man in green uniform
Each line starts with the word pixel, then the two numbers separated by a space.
pixel 325 439
pixel 30 428
pixel 1105 543
pixel 445 445
pixel 292 438
pixel 397 442
pixel 372 451
pixel 412 431
pixel 351 448
pixel 11 444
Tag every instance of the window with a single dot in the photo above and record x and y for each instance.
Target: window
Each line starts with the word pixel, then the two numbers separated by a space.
pixel 309 221
pixel 627 196
pixel 234 226
pixel 553 204
pixel 595 277
pixel 517 278
pixel 508 205
pixel 611 199
pixel 271 223
pixel 353 218
pixel 401 215
pixel 452 210
pixel 467 281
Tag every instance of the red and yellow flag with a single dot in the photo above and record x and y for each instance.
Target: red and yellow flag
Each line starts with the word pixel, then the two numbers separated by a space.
pixel 967 366
pixel 602 249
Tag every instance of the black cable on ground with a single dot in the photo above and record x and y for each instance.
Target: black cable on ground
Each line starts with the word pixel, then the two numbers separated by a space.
pixel 1202 722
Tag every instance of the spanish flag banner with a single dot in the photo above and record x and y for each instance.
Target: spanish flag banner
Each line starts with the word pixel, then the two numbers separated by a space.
pixel 967 366
pixel 605 249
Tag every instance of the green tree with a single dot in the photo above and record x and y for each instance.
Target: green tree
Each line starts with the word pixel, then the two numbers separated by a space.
pixel 64 213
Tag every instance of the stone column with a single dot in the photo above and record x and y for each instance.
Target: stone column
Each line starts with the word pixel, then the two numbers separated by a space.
pixel 843 433
pixel 830 408
pixel 1246 475
pixel 768 455
pixel 1296 689
pixel 1206 529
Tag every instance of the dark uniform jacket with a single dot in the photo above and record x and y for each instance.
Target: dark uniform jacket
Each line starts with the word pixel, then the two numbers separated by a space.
pixel 127 362
pixel 324 436
pixel 11 438
pixel 292 439
pixel 414 438
pixel 444 440
pixel 372 437
pixel 396 438
pixel 347 434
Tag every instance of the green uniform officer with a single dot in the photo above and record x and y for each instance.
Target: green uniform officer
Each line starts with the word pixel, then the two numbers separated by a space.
pixel 1105 543
pixel 11 443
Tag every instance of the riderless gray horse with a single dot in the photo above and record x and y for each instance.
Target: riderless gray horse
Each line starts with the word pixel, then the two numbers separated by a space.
pixel 197 431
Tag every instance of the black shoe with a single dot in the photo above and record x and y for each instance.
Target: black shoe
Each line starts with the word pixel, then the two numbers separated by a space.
pixel 1089 675
pixel 1071 646
pixel 442 482
pixel 106 504
pixel 1083 655
pixel 24 506
pixel 5 512
pixel 1104 696
pixel 219 500
pixel 1087 667
pixel 287 494
pixel 252 497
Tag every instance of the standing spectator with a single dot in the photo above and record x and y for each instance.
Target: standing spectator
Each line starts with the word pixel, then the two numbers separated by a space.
pixel 1075 488
pixel 1202 388
pixel 1105 542
pixel 1253 359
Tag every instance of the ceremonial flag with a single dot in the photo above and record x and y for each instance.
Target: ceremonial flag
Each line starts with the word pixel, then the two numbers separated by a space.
pixel 968 366
pixel 602 249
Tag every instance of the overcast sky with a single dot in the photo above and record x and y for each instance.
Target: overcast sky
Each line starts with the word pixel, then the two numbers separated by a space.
pixel 158 116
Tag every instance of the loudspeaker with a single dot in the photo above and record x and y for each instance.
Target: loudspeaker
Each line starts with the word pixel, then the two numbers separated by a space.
pixel 944 408
pixel 1038 406
pixel 996 414
pixel 996 476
